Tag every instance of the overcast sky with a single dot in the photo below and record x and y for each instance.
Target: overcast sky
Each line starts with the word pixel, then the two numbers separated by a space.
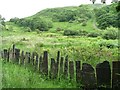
pixel 24 8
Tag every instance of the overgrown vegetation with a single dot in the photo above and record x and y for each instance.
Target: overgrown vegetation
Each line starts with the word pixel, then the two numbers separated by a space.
pixel 110 33
pixel 87 33
pixel 16 76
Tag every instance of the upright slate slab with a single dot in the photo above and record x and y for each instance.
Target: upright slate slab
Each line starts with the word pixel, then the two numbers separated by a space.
pixel 45 63
pixel 33 58
pixel 27 59
pixel 13 51
pixel 8 55
pixel 116 75
pixel 66 67
pixel 37 62
pixel 17 55
pixel 22 58
pixel 5 54
pixel 58 57
pixel 78 72
pixel 53 69
pixel 40 64
pixel 103 73
pixel 29 55
pixel 88 76
pixel 58 62
pixel 71 70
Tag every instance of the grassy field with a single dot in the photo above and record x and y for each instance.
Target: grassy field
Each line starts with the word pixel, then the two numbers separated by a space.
pixel 16 76
pixel 82 48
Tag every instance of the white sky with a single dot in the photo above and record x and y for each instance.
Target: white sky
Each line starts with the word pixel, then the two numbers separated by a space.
pixel 24 8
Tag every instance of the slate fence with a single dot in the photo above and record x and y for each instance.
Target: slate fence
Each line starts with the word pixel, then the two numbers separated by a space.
pixel 83 73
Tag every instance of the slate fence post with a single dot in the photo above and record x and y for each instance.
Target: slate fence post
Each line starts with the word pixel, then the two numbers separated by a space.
pixel 71 70
pixel 116 75
pixel 88 76
pixel 45 63
pixel 103 73
pixel 66 68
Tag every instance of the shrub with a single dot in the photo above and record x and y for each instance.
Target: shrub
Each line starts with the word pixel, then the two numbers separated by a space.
pixel 83 32
pixel 70 33
pixel 110 33
pixel 59 29
pixel 93 34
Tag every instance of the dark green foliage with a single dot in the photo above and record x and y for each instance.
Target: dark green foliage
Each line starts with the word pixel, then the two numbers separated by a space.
pixel 35 23
pixel 69 15
pixel 83 32
pixel 64 16
pixel 75 33
pixel 93 34
pixel 118 7
pixel 15 19
pixel 111 33
pixel 107 20
pixel 107 16
pixel 71 33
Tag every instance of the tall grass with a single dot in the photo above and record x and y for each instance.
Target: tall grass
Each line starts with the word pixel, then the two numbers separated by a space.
pixel 16 76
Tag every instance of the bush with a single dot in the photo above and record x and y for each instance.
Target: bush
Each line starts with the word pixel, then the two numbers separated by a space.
pixel 83 32
pixel 59 29
pixel 110 33
pixel 71 33
pixel 93 34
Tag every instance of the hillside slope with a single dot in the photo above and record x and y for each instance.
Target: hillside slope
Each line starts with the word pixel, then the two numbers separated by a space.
pixel 83 17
